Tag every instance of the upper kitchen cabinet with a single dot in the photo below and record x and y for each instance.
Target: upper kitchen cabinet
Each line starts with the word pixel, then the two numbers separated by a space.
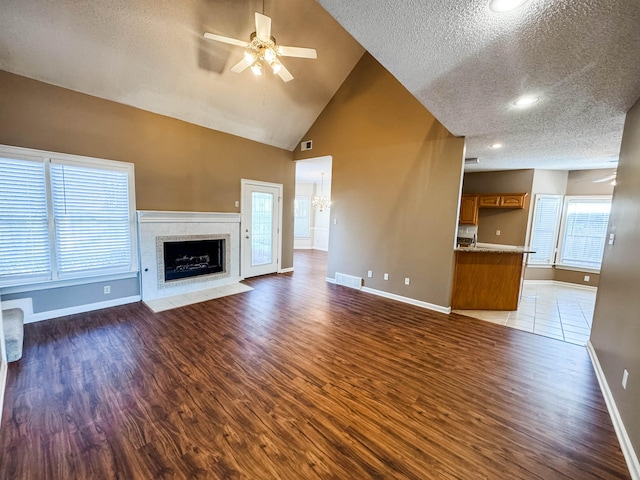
pixel 502 200
pixel 469 210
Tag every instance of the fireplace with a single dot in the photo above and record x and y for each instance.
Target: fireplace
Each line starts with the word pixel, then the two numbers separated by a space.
pixel 192 258
pixel 188 259
pixel 159 228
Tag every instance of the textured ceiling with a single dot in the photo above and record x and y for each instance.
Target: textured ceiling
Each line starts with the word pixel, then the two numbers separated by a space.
pixel 151 54
pixel 467 65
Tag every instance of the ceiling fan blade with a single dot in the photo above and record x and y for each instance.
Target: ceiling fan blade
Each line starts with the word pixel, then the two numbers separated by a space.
pixel 263 27
pixel 223 39
pixel 240 66
pixel 605 179
pixel 297 52
pixel 284 74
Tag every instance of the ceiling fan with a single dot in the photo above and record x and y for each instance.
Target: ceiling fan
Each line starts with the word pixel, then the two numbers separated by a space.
pixel 262 48
pixel 609 178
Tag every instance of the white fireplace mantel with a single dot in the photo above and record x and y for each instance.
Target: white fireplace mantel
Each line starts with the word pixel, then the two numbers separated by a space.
pixel 153 225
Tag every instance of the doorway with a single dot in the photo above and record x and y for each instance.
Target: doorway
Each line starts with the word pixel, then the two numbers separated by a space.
pixel 261 227
pixel 311 216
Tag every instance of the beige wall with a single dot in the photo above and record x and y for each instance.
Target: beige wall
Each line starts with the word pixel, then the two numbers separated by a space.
pixel 581 182
pixel 178 166
pixel 395 186
pixel 512 223
pixel 615 334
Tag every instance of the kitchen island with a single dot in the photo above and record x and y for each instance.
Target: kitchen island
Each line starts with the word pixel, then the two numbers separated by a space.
pixel 488 277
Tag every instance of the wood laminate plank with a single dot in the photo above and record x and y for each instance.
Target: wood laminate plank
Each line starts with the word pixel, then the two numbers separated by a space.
pixel 300 379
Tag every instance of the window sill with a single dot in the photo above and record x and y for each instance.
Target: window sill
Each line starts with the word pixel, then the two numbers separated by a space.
pixel 578 269
pixel 31 287
pixel 539 265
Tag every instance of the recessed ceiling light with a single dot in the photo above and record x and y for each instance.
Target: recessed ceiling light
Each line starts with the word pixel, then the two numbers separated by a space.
pixel 526 101
pixel 500 6
pixel 495 145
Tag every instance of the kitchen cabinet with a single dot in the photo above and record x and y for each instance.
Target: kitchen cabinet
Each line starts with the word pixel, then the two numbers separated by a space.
pixel 469 210
pixel 487 280
pixel 502 200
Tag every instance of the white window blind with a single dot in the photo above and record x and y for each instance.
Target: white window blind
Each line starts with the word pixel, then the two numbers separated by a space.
pixel 585 229
pixel 64 217
pixel 24 236
pixel 91 211
pixel 302 217
pixel 544 232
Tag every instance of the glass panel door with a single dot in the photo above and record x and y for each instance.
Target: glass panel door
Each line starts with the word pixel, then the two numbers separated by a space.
pixel 261 228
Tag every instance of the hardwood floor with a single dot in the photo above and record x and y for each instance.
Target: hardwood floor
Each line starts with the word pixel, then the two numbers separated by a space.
pixel 300 379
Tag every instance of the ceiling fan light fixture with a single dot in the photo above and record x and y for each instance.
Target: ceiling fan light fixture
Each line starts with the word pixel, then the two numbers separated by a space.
pixel 249 57
pixel 500 6
pixel 269 55
pixel 256 68
pixel 276 66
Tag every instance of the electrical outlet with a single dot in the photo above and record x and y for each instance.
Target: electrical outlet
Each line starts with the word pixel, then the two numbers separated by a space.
pixel 612 238
pixel 335 221
pixel 386 276
pixel 587 278
pixel 369 273
pixel 498 233
pixel 407 280
pixel 625 377
pixel 237 203
pixel 107 289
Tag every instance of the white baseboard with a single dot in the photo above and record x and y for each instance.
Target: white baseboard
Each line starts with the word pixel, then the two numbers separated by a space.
pixel 400 298
pixel 285 270
pixel 410 301
pixel 562 284
pixel 38 317
pixel 321 249
pixel 303 248
pixel 625 442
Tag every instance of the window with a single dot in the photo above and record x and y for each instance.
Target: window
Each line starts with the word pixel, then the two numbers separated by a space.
pixel 64 217
pixel 544 232
pixel 302 218
pixel 584 231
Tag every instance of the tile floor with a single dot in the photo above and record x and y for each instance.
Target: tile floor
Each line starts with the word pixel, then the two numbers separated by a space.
pixel 553 310
pixel 175 301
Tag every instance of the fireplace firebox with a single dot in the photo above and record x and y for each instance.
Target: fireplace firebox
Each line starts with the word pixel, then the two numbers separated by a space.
pixel 193 258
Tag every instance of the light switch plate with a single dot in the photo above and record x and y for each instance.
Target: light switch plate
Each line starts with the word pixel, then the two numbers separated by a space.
pixel 386 276
pixel 625 377
pixel 369 273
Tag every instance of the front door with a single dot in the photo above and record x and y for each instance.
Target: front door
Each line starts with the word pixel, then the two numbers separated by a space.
pixel 261 212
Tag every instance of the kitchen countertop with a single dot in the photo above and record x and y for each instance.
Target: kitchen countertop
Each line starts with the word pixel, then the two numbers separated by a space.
pixel 494 248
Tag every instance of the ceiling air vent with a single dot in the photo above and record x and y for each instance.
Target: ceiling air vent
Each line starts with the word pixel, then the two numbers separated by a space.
pixel 471 161
pixel 306 145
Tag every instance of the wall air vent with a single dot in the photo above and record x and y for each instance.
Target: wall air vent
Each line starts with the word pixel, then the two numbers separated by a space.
pixel 349 281
pixel 306 145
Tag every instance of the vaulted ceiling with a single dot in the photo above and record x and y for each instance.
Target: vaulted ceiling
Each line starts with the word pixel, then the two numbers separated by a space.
pixel 466 63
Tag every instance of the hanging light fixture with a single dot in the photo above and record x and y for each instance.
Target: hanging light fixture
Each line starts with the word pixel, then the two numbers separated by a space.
pixel 320 202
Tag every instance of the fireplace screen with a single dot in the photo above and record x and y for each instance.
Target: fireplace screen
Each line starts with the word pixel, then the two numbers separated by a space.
pixel 193 258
